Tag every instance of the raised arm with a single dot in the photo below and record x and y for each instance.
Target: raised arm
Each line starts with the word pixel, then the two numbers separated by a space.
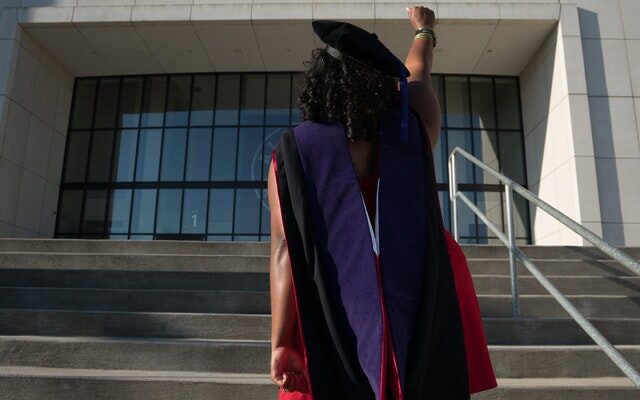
pixel 419 61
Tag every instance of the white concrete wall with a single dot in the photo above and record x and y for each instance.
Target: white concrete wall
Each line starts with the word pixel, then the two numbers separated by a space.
pixel 610 36
pixel 558 144
pixel 35 95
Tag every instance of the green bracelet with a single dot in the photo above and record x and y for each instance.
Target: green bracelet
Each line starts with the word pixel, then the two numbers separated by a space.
pixel 421 35
pixel 428 31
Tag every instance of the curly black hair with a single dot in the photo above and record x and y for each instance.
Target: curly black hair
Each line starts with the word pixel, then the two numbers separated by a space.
pixel 347 92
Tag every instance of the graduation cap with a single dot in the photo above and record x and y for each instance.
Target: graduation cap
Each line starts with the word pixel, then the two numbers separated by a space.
pixel 345 40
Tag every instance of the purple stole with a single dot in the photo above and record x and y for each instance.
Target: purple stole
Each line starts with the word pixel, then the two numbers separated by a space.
pixel 350 244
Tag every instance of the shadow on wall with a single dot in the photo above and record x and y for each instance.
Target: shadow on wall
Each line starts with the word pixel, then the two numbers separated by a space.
pixel 606 168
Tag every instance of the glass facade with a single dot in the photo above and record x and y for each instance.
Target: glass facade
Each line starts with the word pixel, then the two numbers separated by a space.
pixel 186 156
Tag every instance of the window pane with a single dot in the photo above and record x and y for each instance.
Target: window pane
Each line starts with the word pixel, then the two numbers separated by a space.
pixel 70 208
pixel 85 91
pixel 148 155
pixel 153 103
pixel 204 87
pixel 168 213
pixel 223 165
pixel 221 211
pixel 486 149
pixel 250 154
pixel 520 215
pixel 95 206
pixel 130 102
pixel 178 100
pixel 77 153
pixel 482 103
pixel 141 237
pixel 125 155
pixel 246 238
pixel 512 156
pixel 100 158
pixel 247 217
pixel 252 110
pixel 219 238
pixel 194 211
pixel 119 210
pixel 466 217
pixel 173 152
pixel 198 154
pixel 278 99
pixel 296 114
pixel 144 206
pixel 508 103
pixel 489 203
pixel 457 93
pixel 107 103
pixel 227 99
pixel 462 139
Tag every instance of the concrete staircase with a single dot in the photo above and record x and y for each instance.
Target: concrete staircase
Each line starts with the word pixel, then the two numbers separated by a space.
pixel 190 320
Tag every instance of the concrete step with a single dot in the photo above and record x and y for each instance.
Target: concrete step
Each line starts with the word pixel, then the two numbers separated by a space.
pixel 76 384
pixel 545 306
pixel 195 301
pixel 263 248
pixel 555 267
pixel 499 331
pixel 258 302
pixel 188 280
pixel 260 264
pixel 82 384
pixel 133 246
pixel 136 262
pixel 138 324
pixel 141 280
pixel 251 356
pixel 546 252
pixel 561 389
pixel 568 285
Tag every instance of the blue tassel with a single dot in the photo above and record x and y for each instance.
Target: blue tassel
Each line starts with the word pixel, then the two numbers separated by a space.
pixel 404 94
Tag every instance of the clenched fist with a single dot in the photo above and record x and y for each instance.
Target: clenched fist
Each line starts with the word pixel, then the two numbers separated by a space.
pixel 420 16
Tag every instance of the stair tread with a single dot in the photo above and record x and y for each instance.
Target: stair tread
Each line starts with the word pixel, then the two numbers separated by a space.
pixel 261 378
pixel 128 374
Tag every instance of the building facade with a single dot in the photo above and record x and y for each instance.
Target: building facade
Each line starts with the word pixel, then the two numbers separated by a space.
pixel 155 119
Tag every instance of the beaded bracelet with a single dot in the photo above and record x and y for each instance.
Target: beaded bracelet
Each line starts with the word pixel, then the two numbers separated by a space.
pixel 422 35
pixel 423 32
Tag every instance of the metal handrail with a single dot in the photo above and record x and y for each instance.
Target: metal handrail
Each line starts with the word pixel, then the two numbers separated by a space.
pixel 515 252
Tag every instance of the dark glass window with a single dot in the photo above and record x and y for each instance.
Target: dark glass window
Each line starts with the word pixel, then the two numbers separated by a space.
pixel 148 163
pixel 130 102
pixel 481 114
pixel 187 155
pixel 153 101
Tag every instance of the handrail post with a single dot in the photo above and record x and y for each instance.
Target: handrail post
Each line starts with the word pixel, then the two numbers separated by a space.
pixel 515 299
pixel 515 253
pixel 453 195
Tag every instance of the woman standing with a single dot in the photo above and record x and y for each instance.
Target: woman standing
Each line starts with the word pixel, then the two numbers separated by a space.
pixel 371 298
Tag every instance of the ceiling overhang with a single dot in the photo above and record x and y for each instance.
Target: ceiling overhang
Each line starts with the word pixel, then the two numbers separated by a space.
pixel 474 38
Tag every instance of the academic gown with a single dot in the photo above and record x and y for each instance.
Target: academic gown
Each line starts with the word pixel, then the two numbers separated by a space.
pixel 364 290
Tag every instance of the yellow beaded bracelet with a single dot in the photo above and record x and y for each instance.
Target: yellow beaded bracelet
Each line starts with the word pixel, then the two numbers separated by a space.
pixel 423 35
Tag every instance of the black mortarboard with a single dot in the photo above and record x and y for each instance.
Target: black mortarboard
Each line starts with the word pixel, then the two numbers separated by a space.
pixel 343 39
